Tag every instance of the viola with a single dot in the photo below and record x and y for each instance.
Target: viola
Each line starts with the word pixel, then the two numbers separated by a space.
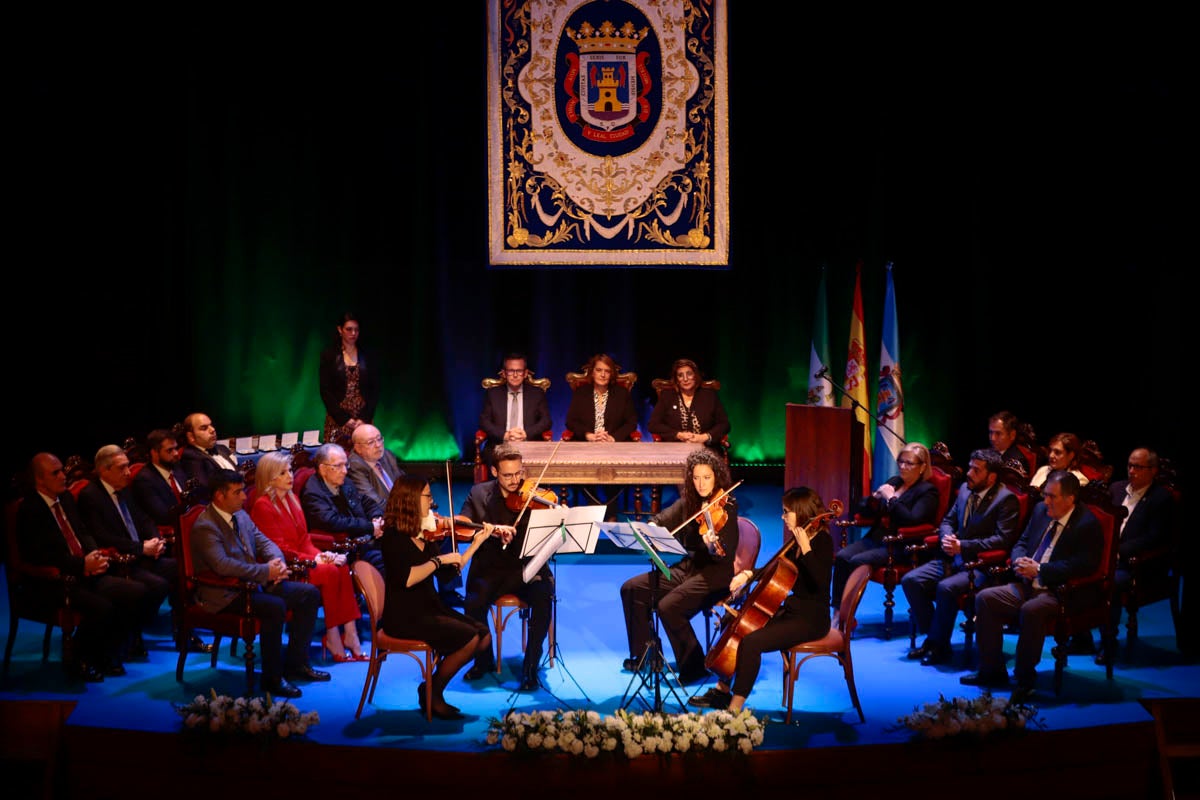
pixel 774 584
pixel 714 520
pixel 530 494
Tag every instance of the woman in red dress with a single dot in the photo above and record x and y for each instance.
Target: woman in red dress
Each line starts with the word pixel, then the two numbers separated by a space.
pixel 277 513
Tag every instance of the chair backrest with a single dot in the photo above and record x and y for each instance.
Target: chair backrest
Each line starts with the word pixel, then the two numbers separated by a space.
pixel 492 383
pixel 77 486
pixel 300 478
pixel 577 379
pixel 658 384
pixel 183 553
pixel 941 479
pixel 749 542
pixel 370 583
pixel 852 594
pixel 12 549
pixel 1108 524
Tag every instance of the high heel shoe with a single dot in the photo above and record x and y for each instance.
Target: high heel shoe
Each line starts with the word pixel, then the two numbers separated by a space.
pixel 335 658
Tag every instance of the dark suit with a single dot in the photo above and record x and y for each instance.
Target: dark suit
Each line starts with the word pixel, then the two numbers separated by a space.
pixel 243 554
pixel 200 465
pixel 346 512
pixel 535 413
pixel 153 494
pixel 159 575
pixel 1147 528
pixel 496 570
pixel 620 418
pixel 916 506
pixel 1076 554
pixel 666 419
pixel 367 481
pixel 939 582
pixel 108 605
pixel 697 581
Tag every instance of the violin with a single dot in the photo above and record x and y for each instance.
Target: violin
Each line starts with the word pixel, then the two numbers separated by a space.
pixel 530 494
pixel 463 528
pixel 714 520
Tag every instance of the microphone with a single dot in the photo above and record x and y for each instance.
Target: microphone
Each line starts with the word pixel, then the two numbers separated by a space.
pixel 822 372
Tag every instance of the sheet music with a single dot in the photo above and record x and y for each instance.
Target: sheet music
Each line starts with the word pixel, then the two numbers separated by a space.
pixel 624 534
pixel 576 526
pixel 550 546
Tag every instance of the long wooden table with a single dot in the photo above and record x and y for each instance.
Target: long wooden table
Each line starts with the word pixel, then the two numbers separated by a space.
pixel 634 464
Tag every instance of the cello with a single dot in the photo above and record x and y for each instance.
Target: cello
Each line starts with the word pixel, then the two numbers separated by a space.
pixel 761 604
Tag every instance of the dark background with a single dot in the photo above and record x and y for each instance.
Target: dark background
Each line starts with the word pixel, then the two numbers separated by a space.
pixel 188 226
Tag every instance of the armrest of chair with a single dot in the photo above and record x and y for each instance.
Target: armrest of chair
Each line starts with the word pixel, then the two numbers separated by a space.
pixel 324 540
pixel 912 538
pixel 1158 557
pixel 223 581
pixel 927 543
pixel 855 521
pixel 299 567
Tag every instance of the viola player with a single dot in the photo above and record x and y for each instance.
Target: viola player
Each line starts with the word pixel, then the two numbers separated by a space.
pixel 804 615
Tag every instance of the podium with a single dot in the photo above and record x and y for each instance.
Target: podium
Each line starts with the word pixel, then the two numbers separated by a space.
pixel 824 451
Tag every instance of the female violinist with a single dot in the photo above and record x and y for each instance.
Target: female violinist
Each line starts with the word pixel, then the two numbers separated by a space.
pixel 699 579
pixel 804 615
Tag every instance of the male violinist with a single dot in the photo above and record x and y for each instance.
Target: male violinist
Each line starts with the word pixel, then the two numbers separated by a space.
pixel 497 566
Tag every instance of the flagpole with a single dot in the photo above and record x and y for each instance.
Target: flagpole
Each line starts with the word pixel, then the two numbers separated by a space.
pixel 852 399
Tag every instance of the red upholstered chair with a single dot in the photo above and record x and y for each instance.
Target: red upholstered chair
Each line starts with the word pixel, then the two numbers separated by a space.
pixel 19 576
pixel 241 624
pixel 1086 603
pixel 323 540
pixel 906 547
pixel 481 469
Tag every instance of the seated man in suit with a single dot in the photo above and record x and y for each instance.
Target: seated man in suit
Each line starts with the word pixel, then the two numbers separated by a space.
pixel 122 526
pixel 1063 540
pixel 514 412
pixel 333 504
pixel 1002 435
pixel 158 487
pixel 202 456
pixel 985 516
pixel 51 532
pixel 1147 524
pixel 226 541
pixel 371 467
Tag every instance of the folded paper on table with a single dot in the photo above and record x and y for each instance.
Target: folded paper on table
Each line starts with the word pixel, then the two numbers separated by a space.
pixel 266 443
pixel 578 527
pixel 312 438
pixel 288 440
pixel 244 444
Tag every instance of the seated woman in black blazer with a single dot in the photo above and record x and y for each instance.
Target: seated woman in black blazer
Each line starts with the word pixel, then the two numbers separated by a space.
pixel 689 412
pixel 601 411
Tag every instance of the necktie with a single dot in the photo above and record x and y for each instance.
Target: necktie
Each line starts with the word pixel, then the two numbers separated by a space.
pixel 68 532
pixel 129 526
pixel 1047 538
pixel 383 476
pixel 174 487
pixel 972 504
pixel 514 407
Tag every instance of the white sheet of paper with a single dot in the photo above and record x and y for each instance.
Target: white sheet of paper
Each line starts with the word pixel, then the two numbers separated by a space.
pixel 244 444
pixel 266 443
pixel 550 546
pixel 581 528
pixel 312 438
pixel 287 440
pixel 659 537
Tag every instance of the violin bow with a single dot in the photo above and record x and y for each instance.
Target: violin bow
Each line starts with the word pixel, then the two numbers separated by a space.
pixel 716 499
pixel 537 483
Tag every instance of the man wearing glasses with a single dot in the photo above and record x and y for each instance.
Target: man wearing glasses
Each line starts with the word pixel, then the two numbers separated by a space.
pixel 372 468
pixel 332 504
pixel 514 411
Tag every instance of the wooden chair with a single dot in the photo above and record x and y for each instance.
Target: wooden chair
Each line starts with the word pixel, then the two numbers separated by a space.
pixel 835 644
pixel 910 540
pixel 658 384
pixel 749 543
pixel 505 606
pixel 1094 610
pixel 481 468
pixel 241 624
pixel 323 540
pixel 370 584
pixel 24 604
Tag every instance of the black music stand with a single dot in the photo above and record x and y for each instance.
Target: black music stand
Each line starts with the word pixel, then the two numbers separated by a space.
pixel 648 674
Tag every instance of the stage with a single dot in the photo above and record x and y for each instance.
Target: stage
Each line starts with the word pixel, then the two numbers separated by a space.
pixel 1097 733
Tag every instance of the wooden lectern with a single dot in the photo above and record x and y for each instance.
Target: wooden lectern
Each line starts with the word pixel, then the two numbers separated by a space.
pixel 824 451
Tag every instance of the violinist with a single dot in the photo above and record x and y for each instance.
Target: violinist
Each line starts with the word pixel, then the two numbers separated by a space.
pixel 700 579
pixel 804 615
pixel 411 606
pixel 498 564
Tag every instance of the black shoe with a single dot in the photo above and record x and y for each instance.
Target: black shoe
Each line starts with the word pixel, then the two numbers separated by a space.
pixel 447 713
pixel 307 673
pixel 198 645
pixel 137 649
pixel 918 653
pixel 529 683
pixel 1023 695
pixel 713 698
pixel 113 669
pixel 989 679
pixel 629 665
pixel 421 696
pixel 474 674
pixel 281 688
pixel 935 656
pixel 83 672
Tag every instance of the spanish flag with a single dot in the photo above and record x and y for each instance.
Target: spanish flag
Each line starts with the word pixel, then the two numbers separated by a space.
pixel 856 395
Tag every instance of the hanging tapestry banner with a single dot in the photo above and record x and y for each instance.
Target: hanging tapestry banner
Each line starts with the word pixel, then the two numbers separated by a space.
pixel 608 133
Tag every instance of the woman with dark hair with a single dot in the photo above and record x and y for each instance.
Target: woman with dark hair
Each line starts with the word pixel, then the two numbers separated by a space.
pixel 804 615
pixel 349 382
pixel 412 608
pixel 699 579
pixel 1062 452
pixel 601 410
pixel 688 411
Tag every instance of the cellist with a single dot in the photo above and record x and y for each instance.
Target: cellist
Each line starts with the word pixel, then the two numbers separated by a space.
pixel 805 612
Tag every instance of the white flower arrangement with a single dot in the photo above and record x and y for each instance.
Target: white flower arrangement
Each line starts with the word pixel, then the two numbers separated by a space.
pixel 978 716
pixel 223 714
pixel 589 734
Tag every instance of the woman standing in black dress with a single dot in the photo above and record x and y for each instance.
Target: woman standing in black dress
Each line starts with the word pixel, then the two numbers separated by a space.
pixel 349 382
pixel 412 608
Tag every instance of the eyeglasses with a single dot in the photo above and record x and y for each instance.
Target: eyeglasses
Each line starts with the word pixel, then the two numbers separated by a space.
pixel 337 466
pixel 427 494
pixel 514 371
pixel 375 440
pixel 1137 466
pixel 904 462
